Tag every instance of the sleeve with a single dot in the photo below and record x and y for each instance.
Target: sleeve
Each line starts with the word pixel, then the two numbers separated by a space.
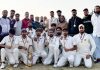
pixel 74 42
pixel 3 41
pixel 15 25
pixel 92 20
pixel 30 41
pixel 57 42
pixel 69 25
pixel 17 41
pixel 93 45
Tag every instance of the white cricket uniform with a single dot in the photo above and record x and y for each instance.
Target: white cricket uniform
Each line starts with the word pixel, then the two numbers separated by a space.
pixel 39 47
pixel 52 20
pixel 25 43
pixel 53 50
pixel 31 33
pixel 11 54
pixel 85 46
pixel 67 56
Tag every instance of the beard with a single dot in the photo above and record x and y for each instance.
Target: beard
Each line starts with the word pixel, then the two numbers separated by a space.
pixel 97 12
pixel 24 36
pixel 51 35
pixel 58 34
pixel 38 35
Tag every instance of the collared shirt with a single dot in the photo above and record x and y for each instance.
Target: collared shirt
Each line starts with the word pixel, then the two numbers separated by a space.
pixel 53 20
pixel 5 24
pixel 96 25
pixel 68 43
pixel 39 44
pixel 31 32
pixel 54 42
pixel 9 41
pixel 24 42
pixel 18 26
pixel 25 23
pixel 84 43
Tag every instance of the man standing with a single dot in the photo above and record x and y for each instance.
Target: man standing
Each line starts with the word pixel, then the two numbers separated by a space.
pixel 59 13
pixel 87 22
pixel 74 23
pixel 25 21
pixel 18 25
pixel 85 47
pixel 31 18
pixel 5 24
pixel 36 23
pixel 96 31
pixel 11 18
pixel 10 50
pixel 52 19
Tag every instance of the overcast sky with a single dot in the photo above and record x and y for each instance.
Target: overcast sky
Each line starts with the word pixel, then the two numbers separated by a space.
pixel 43 7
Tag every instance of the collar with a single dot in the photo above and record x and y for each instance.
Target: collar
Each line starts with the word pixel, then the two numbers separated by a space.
pixel 4 17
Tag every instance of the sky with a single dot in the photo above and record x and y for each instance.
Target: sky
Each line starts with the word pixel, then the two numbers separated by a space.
pixel 43 7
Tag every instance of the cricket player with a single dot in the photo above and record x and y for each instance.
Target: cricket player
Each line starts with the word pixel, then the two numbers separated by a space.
pixel 69 50
pixel 24 42
pixel 10 50
pixel 85 47
pixel 39 46
pixel 31 31
pixel 53 45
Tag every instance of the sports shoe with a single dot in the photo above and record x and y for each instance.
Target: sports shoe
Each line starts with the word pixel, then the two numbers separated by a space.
pixel 3 65
pixel 15 65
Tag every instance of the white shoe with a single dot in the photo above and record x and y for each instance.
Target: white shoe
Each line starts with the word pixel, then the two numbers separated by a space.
pixel 71 66
pixel 3 65
pixel 55 65
pixel 15 65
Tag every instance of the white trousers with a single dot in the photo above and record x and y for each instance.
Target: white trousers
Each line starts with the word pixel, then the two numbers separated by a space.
pixel 11 56
pixel 24 57
pixel 53 52
pixel 78 58
pixel 62 61
pixel 36 55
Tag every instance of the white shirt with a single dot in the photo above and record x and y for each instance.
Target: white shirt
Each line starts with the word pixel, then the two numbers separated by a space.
pixel 39 44
pixel 53 20
pixel 67 43
pixel 23 42
pixel 96 24
pixel 18 26
pixel 32 32
pixel 85 44
pixel 9 41
pixel 53 42
pixel 5 24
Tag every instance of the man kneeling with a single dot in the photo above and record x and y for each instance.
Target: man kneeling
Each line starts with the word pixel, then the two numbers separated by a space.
pixel 69 49
pixel 10 51
pixel 85 47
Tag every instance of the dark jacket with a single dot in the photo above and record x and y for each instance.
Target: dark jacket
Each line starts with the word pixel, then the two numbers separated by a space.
pixel 88 25
pixel 37 25
pixel 73 24
pixel 12 22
